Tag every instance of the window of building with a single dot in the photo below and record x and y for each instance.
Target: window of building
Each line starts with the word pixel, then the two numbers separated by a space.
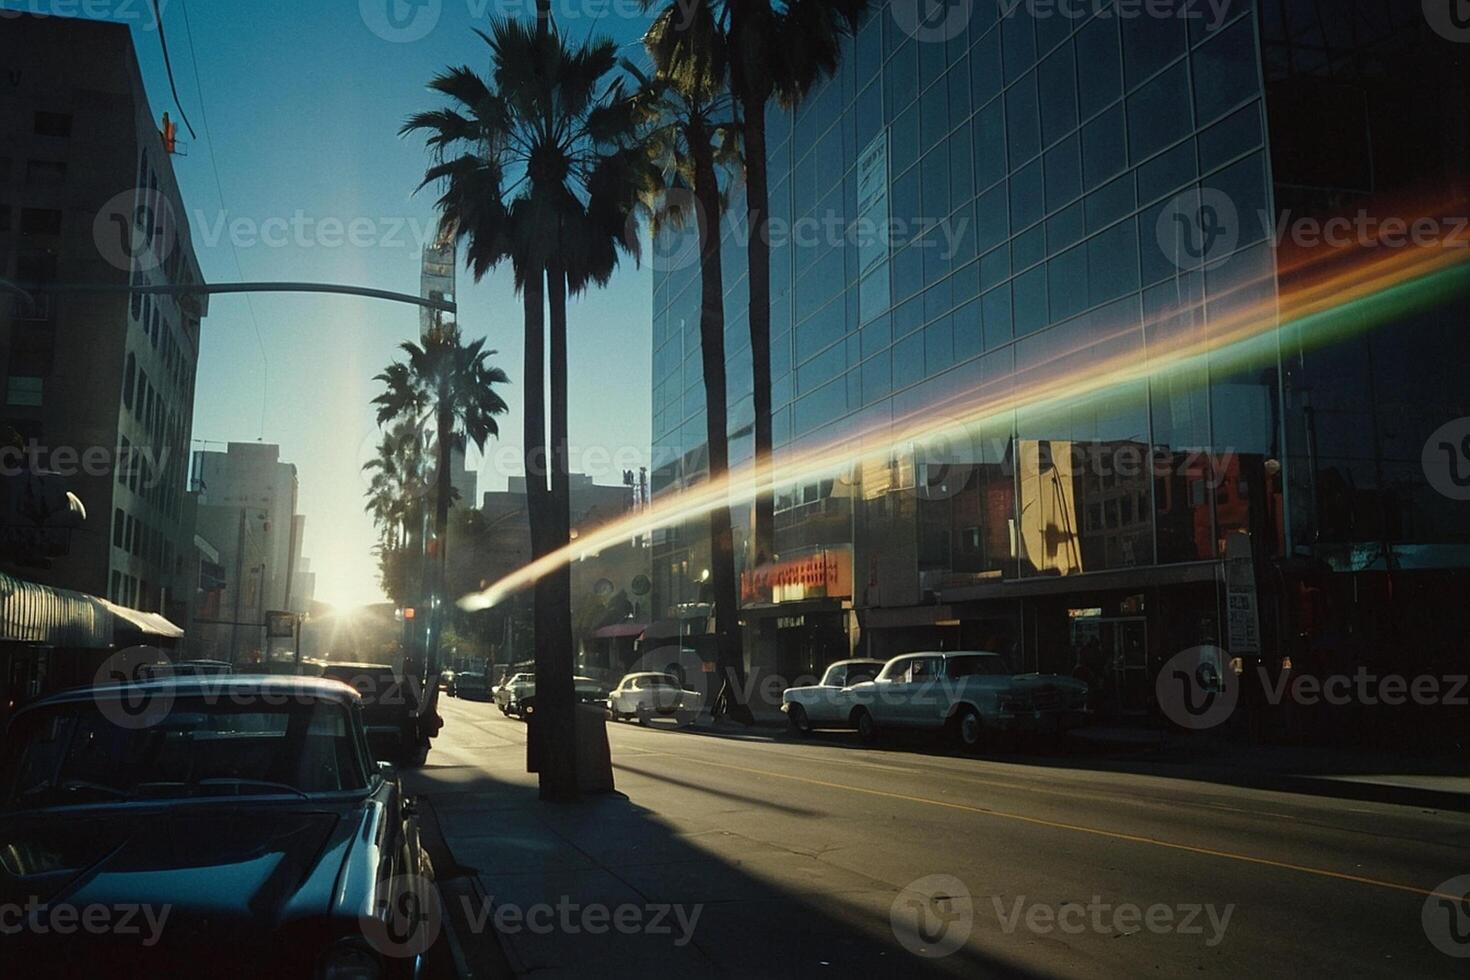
pixel 40 221
pixel 45 172
pixel 56 124
pixel 1159 113
pixel 119 527
pixel 1225 71
pixel 1057 81
pixel 22 391
pixel 1023 123
pixel 124 460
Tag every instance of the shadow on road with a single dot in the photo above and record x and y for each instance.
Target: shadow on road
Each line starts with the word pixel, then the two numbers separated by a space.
pixel 503 846
pixel 1441 783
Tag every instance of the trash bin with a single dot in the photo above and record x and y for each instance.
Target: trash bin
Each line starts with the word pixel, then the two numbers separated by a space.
pixel 594 755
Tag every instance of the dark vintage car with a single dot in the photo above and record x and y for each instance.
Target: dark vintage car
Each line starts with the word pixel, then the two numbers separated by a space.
pixel 587 691
pixel 232 827
pixel 401 715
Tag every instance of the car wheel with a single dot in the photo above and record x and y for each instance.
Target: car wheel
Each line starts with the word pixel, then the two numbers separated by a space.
pixel 867 728
pixel 643 716
pixel 968 729
pixel 799 722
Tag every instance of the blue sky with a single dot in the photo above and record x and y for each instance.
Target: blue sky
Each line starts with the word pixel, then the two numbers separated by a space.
pixel 303 102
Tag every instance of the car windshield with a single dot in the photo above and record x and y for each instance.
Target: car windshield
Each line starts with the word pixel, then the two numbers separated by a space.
pixel 80 753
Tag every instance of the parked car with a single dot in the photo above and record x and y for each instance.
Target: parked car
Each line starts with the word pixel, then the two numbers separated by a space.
pixel 257 820
pixel 588 691
pixel 971 693
pixel 821 705
pixel 518 688
pixel 446 682
pixel 399 723
pixel 646 694
pixel 471 685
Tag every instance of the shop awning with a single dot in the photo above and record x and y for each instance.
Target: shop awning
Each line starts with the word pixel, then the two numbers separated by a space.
pixel 149 624
pixel 34 613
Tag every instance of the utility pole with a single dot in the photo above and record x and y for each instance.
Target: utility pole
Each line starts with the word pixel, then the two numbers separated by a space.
pixel 239 574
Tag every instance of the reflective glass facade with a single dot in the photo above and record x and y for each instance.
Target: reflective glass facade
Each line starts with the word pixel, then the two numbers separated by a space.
pixel 1045 187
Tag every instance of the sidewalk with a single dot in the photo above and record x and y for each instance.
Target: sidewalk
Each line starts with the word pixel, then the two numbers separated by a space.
pixel 527 868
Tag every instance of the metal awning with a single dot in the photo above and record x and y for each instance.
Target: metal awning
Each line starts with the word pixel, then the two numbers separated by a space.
pixel 34 613
pixel 149 624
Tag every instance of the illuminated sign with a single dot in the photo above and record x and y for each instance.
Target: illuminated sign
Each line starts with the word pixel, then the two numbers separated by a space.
pixel 824 575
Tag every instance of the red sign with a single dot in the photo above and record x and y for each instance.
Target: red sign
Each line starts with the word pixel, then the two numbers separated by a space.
pixel 827 574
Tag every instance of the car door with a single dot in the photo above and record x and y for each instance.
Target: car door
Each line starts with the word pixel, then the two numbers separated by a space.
pixel 921 704
pixel 824 706
pixel 890 689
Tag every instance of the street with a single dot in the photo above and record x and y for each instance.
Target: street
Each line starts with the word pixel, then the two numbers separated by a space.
pixel 803 857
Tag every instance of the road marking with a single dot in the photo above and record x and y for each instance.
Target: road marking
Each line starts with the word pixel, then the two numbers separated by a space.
pixel 1094 831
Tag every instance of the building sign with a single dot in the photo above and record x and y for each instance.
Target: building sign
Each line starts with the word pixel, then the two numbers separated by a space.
pixel 1243 621
pixel 825 575
pixel 280 624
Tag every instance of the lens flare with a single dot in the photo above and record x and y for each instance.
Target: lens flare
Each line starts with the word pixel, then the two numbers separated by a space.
pixel 1301 303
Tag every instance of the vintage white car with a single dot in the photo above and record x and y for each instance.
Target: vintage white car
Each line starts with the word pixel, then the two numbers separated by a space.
pixel 971 693
pixel 509 692
pixel 821 705
pixel 647 694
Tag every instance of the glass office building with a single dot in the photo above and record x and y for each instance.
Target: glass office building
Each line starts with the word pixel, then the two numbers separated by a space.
pixel 986 224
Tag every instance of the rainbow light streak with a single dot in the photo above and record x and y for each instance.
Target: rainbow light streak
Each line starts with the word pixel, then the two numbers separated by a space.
pixel 1308 304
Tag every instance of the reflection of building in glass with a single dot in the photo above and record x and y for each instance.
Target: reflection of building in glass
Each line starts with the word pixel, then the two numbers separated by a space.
pixel 1054 187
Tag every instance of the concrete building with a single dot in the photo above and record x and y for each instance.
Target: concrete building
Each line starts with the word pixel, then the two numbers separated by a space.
pixel 101 385
pixel 247 511
pixel 1061 193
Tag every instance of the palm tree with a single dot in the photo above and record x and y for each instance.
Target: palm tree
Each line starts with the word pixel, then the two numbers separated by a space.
pixel 537 170
pixel 691 137
pixel 766 49
pixel 446 387
pixel 399 483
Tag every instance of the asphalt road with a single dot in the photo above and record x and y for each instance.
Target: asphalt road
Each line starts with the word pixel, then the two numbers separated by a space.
pixel 1045 868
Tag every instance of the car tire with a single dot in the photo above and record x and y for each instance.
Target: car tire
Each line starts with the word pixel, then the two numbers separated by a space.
pixel 867 728
pixel 969 730
pixel 798 721
pixel 643 716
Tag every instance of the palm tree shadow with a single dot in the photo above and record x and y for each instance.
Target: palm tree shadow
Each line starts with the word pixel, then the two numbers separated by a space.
pixel 510 850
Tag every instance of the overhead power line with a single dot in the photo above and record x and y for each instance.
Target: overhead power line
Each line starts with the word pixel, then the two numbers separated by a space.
pixel 169 68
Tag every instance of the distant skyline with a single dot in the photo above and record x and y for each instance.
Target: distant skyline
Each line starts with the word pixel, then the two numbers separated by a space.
pixel 300 109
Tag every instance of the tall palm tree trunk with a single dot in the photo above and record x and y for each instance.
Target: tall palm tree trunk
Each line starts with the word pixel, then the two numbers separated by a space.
pixel 752 99
pixel 554 771
pixel 555 691
pixel 729 655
